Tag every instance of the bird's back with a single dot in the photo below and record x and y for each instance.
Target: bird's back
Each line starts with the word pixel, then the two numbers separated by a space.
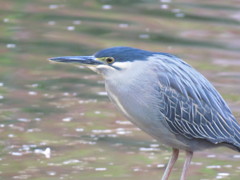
pixel 192 106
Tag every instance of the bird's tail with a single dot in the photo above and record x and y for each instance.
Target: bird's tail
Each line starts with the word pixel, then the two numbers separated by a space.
pixel 236 127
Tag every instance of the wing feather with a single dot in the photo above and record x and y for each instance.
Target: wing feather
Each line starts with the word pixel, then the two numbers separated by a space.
pixel 192 106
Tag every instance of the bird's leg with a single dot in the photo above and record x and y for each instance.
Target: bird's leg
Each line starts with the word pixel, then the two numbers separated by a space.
pixel 171 163
pixel 187 162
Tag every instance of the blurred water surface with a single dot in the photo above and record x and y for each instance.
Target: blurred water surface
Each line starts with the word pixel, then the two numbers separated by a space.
pixel 56 121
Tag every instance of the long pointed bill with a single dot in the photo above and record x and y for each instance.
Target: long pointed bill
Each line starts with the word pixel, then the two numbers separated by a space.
pixel 84 60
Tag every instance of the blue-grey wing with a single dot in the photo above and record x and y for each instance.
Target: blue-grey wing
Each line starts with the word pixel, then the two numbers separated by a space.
pixel 191 106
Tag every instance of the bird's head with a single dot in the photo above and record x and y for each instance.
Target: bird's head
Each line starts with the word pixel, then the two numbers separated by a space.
pixel 113 59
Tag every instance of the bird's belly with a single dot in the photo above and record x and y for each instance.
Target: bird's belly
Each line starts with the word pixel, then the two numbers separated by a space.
pixel 147 117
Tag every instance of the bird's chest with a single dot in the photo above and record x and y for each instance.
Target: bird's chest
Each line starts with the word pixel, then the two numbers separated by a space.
pixel 137 100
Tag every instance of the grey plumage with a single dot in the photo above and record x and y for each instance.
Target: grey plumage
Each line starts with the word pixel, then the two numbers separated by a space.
pixel 192 106
pixel 167 98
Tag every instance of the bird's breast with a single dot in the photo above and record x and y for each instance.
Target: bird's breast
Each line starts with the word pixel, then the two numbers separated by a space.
pixel 139 101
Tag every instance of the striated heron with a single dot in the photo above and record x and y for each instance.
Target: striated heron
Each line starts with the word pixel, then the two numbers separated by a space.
pixel 166 98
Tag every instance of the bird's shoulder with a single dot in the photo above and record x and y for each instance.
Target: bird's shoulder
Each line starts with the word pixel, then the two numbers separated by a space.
pixel 175 74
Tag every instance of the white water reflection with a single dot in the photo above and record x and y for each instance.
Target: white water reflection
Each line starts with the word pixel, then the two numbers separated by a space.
pixel 46 152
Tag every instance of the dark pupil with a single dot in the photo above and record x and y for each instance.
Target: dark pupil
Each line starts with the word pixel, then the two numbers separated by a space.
pixel 109 60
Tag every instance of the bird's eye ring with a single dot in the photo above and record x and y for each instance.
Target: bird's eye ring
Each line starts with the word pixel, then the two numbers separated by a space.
pixel 109 60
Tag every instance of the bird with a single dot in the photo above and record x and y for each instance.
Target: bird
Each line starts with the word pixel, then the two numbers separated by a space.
pixel 166 98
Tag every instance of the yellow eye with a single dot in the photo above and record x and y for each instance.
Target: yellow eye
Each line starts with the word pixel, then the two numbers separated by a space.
pixel 109 60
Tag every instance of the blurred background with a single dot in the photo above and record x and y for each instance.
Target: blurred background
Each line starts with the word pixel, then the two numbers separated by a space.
pixel 56 121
